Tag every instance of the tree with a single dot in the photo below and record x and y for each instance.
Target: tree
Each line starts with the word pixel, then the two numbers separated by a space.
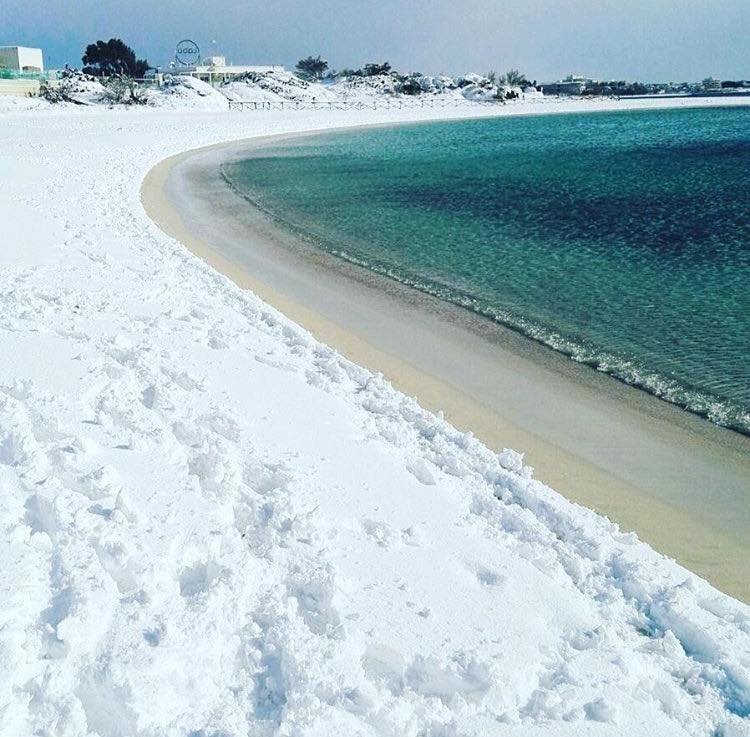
pixel 312 67
pixel 373 70
pixel 109 58
pixel 514 78
pixel 492 77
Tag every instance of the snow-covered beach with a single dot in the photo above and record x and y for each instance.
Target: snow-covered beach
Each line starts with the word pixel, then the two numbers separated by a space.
pixel 221 526
pixel 601 443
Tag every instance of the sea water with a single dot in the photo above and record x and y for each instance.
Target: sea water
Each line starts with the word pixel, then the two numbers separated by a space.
pixel 621 239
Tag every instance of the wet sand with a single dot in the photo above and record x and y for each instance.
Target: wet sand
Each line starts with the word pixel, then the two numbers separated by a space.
pixel 682 483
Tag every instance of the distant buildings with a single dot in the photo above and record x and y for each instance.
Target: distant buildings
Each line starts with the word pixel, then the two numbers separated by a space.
pixel 573 84
pixel 577 85
pixel 21 59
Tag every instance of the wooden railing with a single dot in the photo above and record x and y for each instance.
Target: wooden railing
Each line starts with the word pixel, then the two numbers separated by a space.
pixel 379 104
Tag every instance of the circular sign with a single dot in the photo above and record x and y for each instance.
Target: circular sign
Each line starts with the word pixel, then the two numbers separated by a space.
pixel 187 53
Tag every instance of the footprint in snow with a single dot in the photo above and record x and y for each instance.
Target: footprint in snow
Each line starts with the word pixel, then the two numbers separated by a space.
pixel 488 577
pixel 421 471
pixel 198 578
pixel 380 532
pixel 412 536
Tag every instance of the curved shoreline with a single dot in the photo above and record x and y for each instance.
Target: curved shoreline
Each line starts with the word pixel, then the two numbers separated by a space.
pixel 683 395
pixel 673 477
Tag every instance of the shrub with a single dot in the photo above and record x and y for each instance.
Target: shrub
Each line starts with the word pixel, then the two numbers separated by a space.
pixel 374 69
pixel 514 78
pixel 122 90
pixel 410 85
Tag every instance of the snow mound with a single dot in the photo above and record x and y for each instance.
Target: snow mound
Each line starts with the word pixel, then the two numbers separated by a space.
pixel 75 88
pixel 276 86
pixel 365 87
pixel 177 92
pixel 435 85
pixel 478 88
pixel 180 92
pixel 395 85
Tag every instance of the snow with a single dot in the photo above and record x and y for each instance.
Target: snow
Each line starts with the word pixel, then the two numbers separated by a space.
pixel 215 525
pixel 283 86
pixel 365 87
pixel 276 86
pixel 180 92
pixel 82 89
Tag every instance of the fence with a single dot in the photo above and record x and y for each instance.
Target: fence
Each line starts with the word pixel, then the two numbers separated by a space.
pixel 6 73
pixel 385 103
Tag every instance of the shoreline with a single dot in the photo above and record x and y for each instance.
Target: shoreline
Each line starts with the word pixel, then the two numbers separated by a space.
pixel 684 395
pixel 600 443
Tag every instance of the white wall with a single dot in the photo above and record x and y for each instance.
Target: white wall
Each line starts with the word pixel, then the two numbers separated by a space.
pixel 19 87
pixel 22 58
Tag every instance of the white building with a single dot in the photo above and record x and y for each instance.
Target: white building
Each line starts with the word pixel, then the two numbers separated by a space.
pixel 573 84
pixel 21 59
pixel 214 70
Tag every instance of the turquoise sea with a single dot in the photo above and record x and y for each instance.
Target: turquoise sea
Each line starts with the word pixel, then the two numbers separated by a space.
pixel 621 239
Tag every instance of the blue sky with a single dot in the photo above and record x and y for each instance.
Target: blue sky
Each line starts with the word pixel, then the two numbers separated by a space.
pixel 644 39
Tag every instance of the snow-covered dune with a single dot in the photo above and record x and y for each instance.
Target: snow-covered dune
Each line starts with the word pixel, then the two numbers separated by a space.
pixel 187 93
pixel 214 525
pixel 277 86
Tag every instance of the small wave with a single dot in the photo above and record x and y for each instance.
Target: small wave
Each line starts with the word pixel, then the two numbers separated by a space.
pixel 629 370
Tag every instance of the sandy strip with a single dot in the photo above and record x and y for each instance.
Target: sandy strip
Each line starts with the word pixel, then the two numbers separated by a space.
pixel 680 482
